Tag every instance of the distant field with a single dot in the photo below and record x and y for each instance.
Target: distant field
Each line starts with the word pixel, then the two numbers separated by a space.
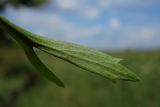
pixel 83 89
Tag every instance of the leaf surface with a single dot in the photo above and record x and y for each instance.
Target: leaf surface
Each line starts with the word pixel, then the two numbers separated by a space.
pixel 20 35
pixel 86 58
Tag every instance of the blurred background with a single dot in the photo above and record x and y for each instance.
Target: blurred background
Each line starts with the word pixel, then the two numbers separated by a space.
pixel 129 29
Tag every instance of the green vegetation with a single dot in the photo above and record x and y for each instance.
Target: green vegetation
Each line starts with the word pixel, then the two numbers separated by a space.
pixel 86 58
pixel 84 89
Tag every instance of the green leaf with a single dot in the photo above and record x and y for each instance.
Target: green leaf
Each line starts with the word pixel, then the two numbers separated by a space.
pixel 86 58
pixel 16 33
pixel 41 67
pixel 92 61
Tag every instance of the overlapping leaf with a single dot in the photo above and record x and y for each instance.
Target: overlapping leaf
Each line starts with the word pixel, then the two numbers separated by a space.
pixel 89 59
pixel 20 36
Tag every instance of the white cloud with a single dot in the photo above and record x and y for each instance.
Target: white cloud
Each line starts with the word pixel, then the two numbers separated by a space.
pixel 91 13
pixel 53 25
pixel 114 23
pixel 82 8
pixel 67 4
pixel 147 33
pixel 105 3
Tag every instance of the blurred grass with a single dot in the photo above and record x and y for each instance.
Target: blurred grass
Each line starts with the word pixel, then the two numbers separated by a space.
pixel 84 89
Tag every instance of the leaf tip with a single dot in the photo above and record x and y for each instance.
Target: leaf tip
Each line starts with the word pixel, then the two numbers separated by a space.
pixel 133 78
pixel 61 84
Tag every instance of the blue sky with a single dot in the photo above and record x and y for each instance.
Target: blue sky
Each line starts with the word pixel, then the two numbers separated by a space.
pixel 105 24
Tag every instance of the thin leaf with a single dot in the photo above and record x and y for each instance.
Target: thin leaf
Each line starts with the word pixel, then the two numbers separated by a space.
pixel 86 58
pixel 101 66
pixel 41 67
pixel 28 48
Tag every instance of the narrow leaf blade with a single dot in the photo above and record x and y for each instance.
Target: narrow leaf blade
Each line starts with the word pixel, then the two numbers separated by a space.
pixel 86 58
pixel 41 67
pixel 110 70
pixel 19 35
